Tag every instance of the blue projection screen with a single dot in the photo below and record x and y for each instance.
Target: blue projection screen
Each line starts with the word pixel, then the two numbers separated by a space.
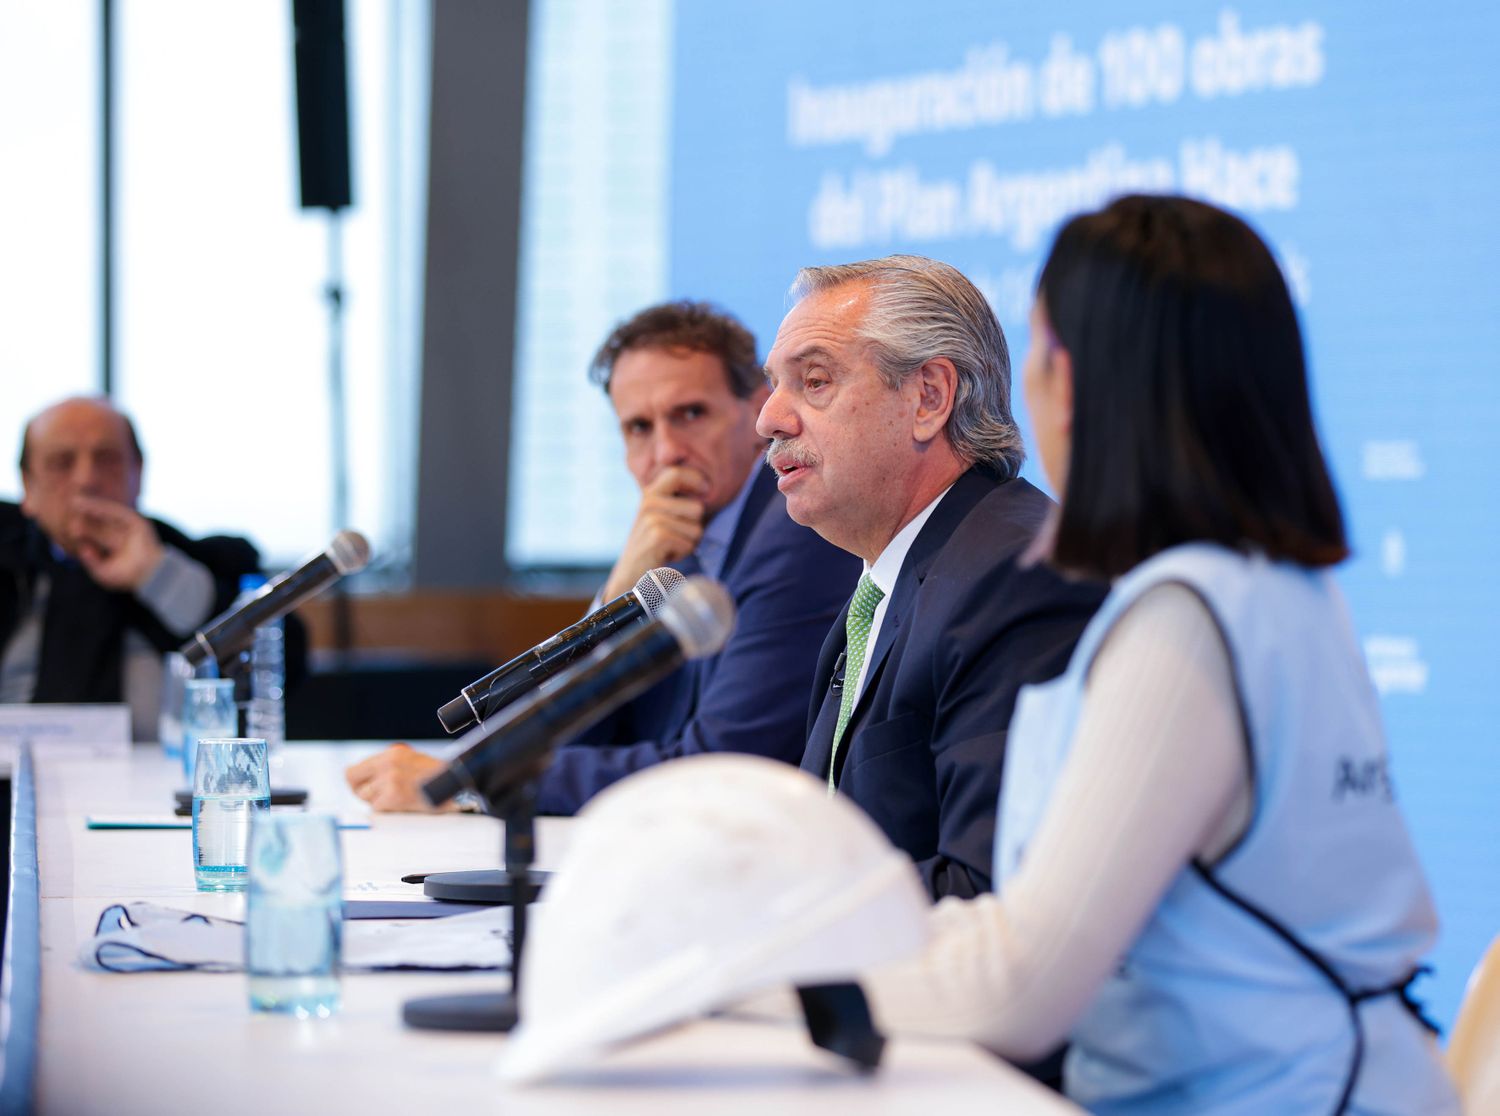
pixel 1363 140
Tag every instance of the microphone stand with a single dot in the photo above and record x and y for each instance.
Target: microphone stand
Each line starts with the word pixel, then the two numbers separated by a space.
pixel 494 1011
pixel 492 887
pixel 508 779
pixel 482 887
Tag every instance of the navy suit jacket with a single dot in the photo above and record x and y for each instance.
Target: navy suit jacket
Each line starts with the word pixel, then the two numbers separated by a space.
pixel 965 628
pixel 788 586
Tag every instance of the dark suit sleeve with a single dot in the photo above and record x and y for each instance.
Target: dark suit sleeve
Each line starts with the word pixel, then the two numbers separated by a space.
pixel 227 558
pixel 1005 631
pixel 788 586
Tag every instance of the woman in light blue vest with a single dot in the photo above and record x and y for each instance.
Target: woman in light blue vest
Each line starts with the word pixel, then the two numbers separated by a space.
pixel 1204 882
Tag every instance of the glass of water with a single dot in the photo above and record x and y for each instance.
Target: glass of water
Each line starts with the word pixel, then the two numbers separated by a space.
pixel 175 672
pixel 230 782
pixel 294 913
pixel 208 713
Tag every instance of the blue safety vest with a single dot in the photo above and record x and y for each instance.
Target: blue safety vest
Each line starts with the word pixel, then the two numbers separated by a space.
pixel 1271 981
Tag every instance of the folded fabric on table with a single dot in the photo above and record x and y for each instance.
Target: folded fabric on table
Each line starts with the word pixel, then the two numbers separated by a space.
pixel 146 937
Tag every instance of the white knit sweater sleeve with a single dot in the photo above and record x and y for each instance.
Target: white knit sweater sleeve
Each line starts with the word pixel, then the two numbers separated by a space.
pixel 1157 775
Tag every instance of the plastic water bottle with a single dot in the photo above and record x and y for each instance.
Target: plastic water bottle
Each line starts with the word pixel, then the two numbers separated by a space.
pixel 265 709
pixel 251 586
pixel 266 718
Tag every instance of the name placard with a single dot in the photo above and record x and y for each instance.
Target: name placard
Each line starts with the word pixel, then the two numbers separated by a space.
pixel 82 730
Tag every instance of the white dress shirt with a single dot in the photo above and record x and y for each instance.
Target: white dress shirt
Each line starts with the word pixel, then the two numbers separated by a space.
pixel 884 572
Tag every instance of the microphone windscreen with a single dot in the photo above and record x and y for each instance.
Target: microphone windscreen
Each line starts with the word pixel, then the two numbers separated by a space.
pixel 349 552
pixel 700 615
pixel 656 586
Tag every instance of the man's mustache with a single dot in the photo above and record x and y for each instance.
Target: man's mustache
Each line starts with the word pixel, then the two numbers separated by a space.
pixel 783 455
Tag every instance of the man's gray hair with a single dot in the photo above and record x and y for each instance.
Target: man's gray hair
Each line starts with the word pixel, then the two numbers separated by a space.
pixel 921 309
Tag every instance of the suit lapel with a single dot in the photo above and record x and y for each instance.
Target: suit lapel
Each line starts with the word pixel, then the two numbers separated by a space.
pixel 16 573
pixel 83 632
pixel 823 713
pixel 692 680
pixel 960 499
pixel 762 488
pixel 875 659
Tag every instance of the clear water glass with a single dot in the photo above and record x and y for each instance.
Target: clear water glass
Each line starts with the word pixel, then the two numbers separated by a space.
pixel 294 914
pixel 208 713
pixel 175 672
pixel 231 781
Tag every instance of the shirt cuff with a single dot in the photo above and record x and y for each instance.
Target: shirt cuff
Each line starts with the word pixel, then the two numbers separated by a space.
pixel 180 592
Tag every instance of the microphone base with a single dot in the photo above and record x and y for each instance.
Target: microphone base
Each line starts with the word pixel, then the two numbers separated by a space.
pixel 474 1011
pixel 487 887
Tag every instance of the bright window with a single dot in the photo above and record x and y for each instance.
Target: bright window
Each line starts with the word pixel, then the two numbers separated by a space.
pixel 593 251
pixel 222 352
pixel 49 212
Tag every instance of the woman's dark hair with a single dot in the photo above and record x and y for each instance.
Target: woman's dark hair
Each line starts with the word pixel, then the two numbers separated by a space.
pixel 1191 418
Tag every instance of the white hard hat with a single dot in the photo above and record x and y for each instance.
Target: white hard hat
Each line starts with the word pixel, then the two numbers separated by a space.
pixel 698 882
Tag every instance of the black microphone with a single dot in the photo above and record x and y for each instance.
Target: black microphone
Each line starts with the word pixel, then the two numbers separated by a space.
pixel 694 623
pixel 528 670
pixel 229 633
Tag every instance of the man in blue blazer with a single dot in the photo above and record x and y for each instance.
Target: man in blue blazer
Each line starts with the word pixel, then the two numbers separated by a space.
pixel 686 386
pixel 892 437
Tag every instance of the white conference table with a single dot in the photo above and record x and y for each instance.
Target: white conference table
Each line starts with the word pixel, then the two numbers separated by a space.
pixel 187 1042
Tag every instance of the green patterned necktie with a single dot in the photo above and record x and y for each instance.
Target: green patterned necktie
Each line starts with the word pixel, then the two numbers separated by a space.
pixel 867 595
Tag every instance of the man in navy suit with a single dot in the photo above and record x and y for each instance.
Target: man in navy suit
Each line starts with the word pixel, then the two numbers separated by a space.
pixel 686 386
pixel 892 437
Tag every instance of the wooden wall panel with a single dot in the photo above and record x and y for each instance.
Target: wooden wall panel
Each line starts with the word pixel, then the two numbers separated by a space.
pixel 445 625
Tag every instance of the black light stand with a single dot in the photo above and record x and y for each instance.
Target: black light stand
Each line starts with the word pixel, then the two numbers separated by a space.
pixel 333 293
pixel 320 65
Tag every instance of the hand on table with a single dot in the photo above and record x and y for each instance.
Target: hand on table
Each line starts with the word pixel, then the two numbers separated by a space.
pixel 392 780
